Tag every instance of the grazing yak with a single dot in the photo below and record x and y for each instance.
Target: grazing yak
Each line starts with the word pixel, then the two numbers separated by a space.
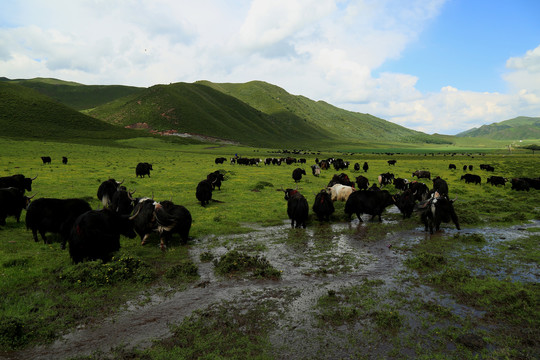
pixel 519 184
pixel 470 178
pixel 169 219
pixel 316 170
pixel 55 216
pixel 405 202
pixel 440 186
pixel 340 192
pixel 204 192
pixel 143 169
pixel 106 191
pixel 145 221
pixel 17 181
pixel 496 180
pixel 362 182
pixel 392 162
pixel 342 179
pixel 323 206
pixel 297 208
pixel 368 202
pixel 487 167
pixel 12 203
pixel 122 201
pixel 46 159
pixel 436 210
pixel 422 174
pixel 64 160
pixel 96 235
pixel 365 167
pixel 220 160
pixel 215 178
pixel 297 174
pixel 401 184
pixel 452 166
pixel 385 179
pixel 420 190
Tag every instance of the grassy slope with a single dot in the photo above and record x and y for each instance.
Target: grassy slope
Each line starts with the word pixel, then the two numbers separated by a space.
pixel 25 113
pixel 195 108
pixel 254 113
pixel 343 124
pixel 514 129
pixel 33 284
pixel 75 95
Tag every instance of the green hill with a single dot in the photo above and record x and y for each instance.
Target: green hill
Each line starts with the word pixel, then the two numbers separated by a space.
pixel 200 109
pixel 75 95
pixel 336 122
pixel 254 113
pixel 519 128
pixel 27 114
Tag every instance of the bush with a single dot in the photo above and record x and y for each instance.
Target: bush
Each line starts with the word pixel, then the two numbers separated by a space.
pixel 97 273
pixel 470 238
pixel 426 260
pixel 183 270
pixel 12 333
pixel 235 262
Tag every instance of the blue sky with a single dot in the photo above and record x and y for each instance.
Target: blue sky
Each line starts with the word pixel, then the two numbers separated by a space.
pixel 467 44
pixel 438 66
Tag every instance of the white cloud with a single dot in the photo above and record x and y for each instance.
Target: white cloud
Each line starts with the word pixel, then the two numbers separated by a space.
pixel 322 49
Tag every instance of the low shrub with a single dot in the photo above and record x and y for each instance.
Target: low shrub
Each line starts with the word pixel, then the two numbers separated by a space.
pixel 12 334
pixel 235 262
pixel 425 260
pixel 185 269
pixel 97 273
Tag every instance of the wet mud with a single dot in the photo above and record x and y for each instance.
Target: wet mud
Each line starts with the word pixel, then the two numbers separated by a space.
pixel 314 261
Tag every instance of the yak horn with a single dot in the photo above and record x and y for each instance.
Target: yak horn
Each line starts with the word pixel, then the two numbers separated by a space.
pixel 121 182
pixel 34 178
pixel 30 197
pixel 130 193
pixel 135 215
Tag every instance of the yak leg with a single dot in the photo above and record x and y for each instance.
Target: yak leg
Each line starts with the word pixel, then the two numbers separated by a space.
pixel 359 217
pixel 42 233
pixel 162 244
pixel 34 234
pixel 144 239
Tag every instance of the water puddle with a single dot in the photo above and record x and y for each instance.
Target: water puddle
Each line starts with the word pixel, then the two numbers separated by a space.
pixel 316 260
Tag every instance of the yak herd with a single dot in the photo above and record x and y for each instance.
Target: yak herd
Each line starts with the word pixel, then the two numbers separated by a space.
pixel 95 234
pixel 433 204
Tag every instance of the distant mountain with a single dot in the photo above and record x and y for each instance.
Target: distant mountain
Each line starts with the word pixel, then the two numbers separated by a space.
pixel 254 113
pixel 27 114
pixel 519 128
pixel 75 95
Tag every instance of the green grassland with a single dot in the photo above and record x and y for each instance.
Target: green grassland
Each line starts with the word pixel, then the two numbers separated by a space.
pixel 518 128
pixel 46 294
pixel 75 95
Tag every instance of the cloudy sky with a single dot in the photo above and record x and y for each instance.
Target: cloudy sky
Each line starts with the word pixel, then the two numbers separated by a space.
pixel 432 65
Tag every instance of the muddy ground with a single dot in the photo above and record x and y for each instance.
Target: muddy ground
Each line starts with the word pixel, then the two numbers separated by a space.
pixel 321 260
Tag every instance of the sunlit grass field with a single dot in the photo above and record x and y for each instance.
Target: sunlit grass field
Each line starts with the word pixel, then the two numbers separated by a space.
pixel 42 296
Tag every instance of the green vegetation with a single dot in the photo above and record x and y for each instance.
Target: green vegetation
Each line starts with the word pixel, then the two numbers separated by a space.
pixel 75 95
pixel 336 288
pixel 235 263
pixel 514 129
pixel 26 114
